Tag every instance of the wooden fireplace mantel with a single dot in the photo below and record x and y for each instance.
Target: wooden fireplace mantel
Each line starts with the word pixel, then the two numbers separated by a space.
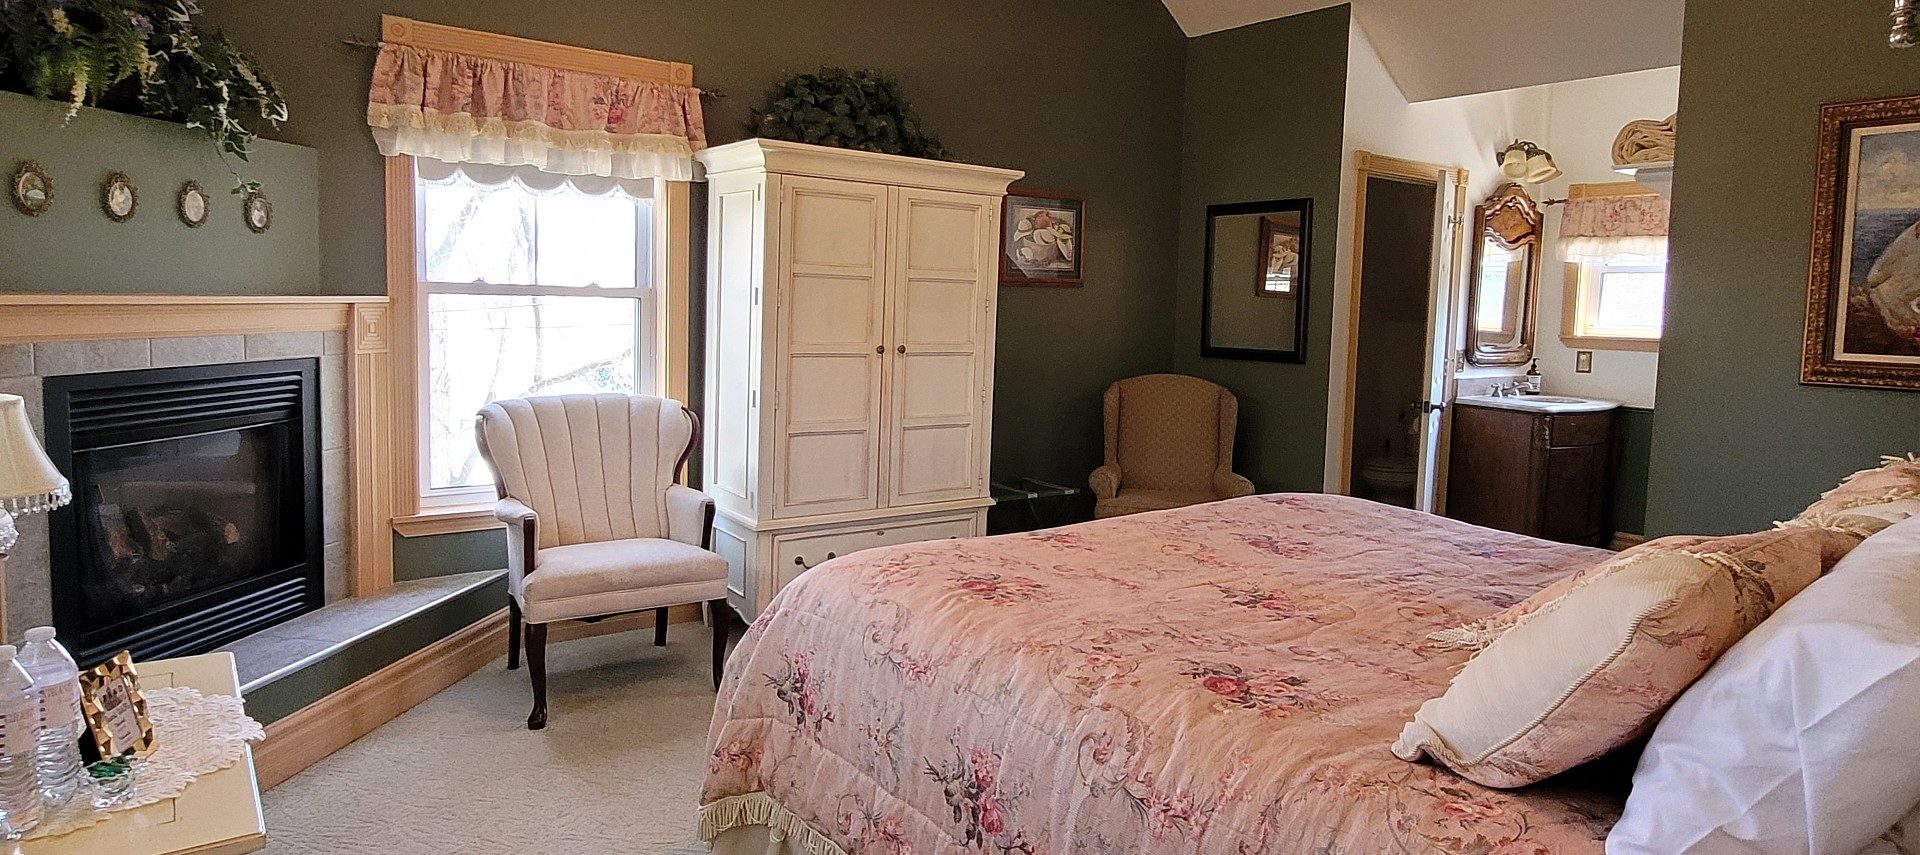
pixel 94 317
pixel 26 318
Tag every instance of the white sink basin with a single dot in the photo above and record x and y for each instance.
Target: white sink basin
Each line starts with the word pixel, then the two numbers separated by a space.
pixel 1539 403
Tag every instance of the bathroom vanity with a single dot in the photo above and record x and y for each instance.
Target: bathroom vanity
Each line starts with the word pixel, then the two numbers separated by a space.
pixel 1538 465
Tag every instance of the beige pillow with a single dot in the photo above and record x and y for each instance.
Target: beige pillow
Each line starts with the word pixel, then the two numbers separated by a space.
pixel 1591 667
pixel 1868 500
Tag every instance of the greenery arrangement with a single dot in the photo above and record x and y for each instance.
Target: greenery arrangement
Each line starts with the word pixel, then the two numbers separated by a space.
pixel 862 110
pixel 146 57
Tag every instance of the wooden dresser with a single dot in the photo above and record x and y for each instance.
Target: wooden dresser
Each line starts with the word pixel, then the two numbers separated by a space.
pixel 849 385
pixel 1548 475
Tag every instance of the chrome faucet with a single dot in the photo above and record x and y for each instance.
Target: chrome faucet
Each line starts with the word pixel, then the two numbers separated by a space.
pixel 1506 389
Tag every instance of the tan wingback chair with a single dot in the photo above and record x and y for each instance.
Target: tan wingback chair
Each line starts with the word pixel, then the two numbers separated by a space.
pixel 596 525
pixel 1169 444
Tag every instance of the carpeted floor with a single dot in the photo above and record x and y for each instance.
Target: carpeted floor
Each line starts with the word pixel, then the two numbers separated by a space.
pixel 617 770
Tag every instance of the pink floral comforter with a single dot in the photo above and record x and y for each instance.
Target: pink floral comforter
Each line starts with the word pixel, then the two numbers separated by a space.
pixel 1217 679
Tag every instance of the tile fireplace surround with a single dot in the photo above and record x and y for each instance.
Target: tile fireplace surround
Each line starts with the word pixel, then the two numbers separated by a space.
pixel 50 335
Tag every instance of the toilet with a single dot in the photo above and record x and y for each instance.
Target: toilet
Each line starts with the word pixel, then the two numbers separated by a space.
pixel 1390 480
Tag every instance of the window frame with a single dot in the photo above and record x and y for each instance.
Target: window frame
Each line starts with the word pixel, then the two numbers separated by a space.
pixel 1581 300
pixel 645 356
pixel 662 369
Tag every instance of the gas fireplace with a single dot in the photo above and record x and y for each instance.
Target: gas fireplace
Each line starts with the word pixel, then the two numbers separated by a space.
pixel 196 512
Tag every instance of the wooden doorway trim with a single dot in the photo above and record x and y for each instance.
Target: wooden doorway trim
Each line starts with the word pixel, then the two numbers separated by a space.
pixel 1368 165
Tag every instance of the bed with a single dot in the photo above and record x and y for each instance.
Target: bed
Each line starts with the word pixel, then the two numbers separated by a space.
pixel 1224 678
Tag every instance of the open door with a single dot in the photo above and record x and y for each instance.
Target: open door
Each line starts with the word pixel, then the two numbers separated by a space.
pixel 1448 220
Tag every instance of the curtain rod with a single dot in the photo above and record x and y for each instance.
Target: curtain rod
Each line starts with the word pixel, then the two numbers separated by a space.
pixel 359 43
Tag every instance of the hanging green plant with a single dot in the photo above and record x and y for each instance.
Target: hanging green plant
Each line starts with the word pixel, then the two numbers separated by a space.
pixel 144 57
pixel 862 110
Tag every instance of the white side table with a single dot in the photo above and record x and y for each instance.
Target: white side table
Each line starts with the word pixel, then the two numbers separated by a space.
pixel 218 814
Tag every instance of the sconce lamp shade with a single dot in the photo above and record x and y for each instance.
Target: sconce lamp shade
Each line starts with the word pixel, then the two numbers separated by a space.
pixel 1513 163
pixel 28 482
pixel 1541 168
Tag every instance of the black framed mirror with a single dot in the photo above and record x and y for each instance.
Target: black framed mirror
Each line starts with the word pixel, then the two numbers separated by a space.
pixel 1254 294
pixel 1506 278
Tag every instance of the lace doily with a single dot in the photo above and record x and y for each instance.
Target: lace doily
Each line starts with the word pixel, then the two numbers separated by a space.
pixel 194 735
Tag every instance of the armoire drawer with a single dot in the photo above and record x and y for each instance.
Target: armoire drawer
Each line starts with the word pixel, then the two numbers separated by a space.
pixel 797 553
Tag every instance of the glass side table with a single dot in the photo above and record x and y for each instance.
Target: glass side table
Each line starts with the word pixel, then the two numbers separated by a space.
pixel 1043 501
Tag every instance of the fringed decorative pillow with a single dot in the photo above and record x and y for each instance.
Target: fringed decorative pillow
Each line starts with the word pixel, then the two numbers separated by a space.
pixel 1868 500
pixel 1590 668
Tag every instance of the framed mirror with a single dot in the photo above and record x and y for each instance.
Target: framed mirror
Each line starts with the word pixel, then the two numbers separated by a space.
pixel 1506 277
pixel 1254 298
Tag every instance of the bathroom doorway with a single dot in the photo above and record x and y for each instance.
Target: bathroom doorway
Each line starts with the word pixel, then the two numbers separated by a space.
pixel 1406 226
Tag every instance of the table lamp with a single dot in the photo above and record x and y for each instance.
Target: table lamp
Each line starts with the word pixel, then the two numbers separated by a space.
pixel 28 482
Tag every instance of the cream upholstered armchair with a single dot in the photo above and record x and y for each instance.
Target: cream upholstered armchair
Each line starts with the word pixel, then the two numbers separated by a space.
pixel 1169 444
pixel 596 525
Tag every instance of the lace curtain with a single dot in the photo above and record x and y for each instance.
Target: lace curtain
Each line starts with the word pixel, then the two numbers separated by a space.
pixel 1597 228
pixel 468 109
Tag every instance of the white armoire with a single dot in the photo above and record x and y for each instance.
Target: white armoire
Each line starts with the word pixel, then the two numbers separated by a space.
pixel 849 383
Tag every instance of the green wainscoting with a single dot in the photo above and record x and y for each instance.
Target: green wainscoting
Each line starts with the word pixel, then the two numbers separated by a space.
pixel 1739 441
pixel 74 249
pixel 1631 475
pixel 447 554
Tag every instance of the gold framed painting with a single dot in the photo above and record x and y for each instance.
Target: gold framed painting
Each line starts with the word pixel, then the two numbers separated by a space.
pixel 1863 288
pixel 115 711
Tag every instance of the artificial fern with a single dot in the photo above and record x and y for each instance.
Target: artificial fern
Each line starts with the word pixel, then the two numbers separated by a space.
pixel 146 57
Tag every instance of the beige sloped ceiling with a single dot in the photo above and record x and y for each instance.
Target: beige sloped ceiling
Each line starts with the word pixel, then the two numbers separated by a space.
pixel 1442 48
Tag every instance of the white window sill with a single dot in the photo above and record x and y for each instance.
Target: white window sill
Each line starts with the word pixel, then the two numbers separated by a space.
pixel 1604 342
pixel 450 519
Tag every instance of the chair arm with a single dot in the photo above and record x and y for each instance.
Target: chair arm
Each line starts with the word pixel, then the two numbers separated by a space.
pixel 689 516
pixel 523 539
pixel 1105 481
pixel 1228 485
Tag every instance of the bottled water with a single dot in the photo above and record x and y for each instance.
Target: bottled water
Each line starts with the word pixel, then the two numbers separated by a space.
pixel 56 686
pixel 19 719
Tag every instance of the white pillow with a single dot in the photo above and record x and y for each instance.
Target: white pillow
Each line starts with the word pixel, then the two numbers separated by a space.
pixel 1804 737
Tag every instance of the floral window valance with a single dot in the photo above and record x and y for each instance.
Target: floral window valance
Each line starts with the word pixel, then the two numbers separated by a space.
pixel 1596 228
pixel 469 109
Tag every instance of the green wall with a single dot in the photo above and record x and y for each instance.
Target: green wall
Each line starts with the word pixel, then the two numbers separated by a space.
pixel 1631 476
pixel 1083 96
pixel 1264 111
pixel 1737 440
pixel 74 248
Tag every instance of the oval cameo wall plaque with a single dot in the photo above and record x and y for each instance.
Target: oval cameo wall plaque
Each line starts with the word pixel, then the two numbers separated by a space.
pixel 31 189
pixel 118 197
pixel 258 212
pixel 193 205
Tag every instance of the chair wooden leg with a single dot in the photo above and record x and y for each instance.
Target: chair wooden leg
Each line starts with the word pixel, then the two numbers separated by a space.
pixel 660 627
pixel 537 668
pixel 722 619
pixel 513 634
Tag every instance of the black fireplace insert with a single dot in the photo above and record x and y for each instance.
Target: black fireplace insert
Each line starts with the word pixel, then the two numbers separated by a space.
pixel 196 512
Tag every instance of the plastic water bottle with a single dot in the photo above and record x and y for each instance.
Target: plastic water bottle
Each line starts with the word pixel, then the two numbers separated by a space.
pixel 56 686
pixel 20 801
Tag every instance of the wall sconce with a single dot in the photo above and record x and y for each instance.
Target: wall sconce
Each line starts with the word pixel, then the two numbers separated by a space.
pixel 1524 161
pixel 1906 29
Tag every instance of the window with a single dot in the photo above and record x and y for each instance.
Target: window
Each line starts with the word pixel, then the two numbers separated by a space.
pixel 1616 301
pixel 528 284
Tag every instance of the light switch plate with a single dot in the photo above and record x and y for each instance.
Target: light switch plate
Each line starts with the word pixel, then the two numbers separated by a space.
pixel 1583 362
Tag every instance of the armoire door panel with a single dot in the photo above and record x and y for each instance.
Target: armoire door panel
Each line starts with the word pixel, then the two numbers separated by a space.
pixel 826 216
pixel 936 388
pixel 829 393
pixel 942 234
pixel 736 214
pixel 940 312
pixel 942 271
pixel 935 459
pixel 827 469
pixel 832 314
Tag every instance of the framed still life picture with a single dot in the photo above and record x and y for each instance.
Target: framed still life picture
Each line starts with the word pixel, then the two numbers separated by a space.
pixel 1040 238
pixel 1863 291
pixel 115 711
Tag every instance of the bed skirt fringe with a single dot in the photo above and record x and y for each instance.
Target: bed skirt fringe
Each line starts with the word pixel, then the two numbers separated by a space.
pixel 758 808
